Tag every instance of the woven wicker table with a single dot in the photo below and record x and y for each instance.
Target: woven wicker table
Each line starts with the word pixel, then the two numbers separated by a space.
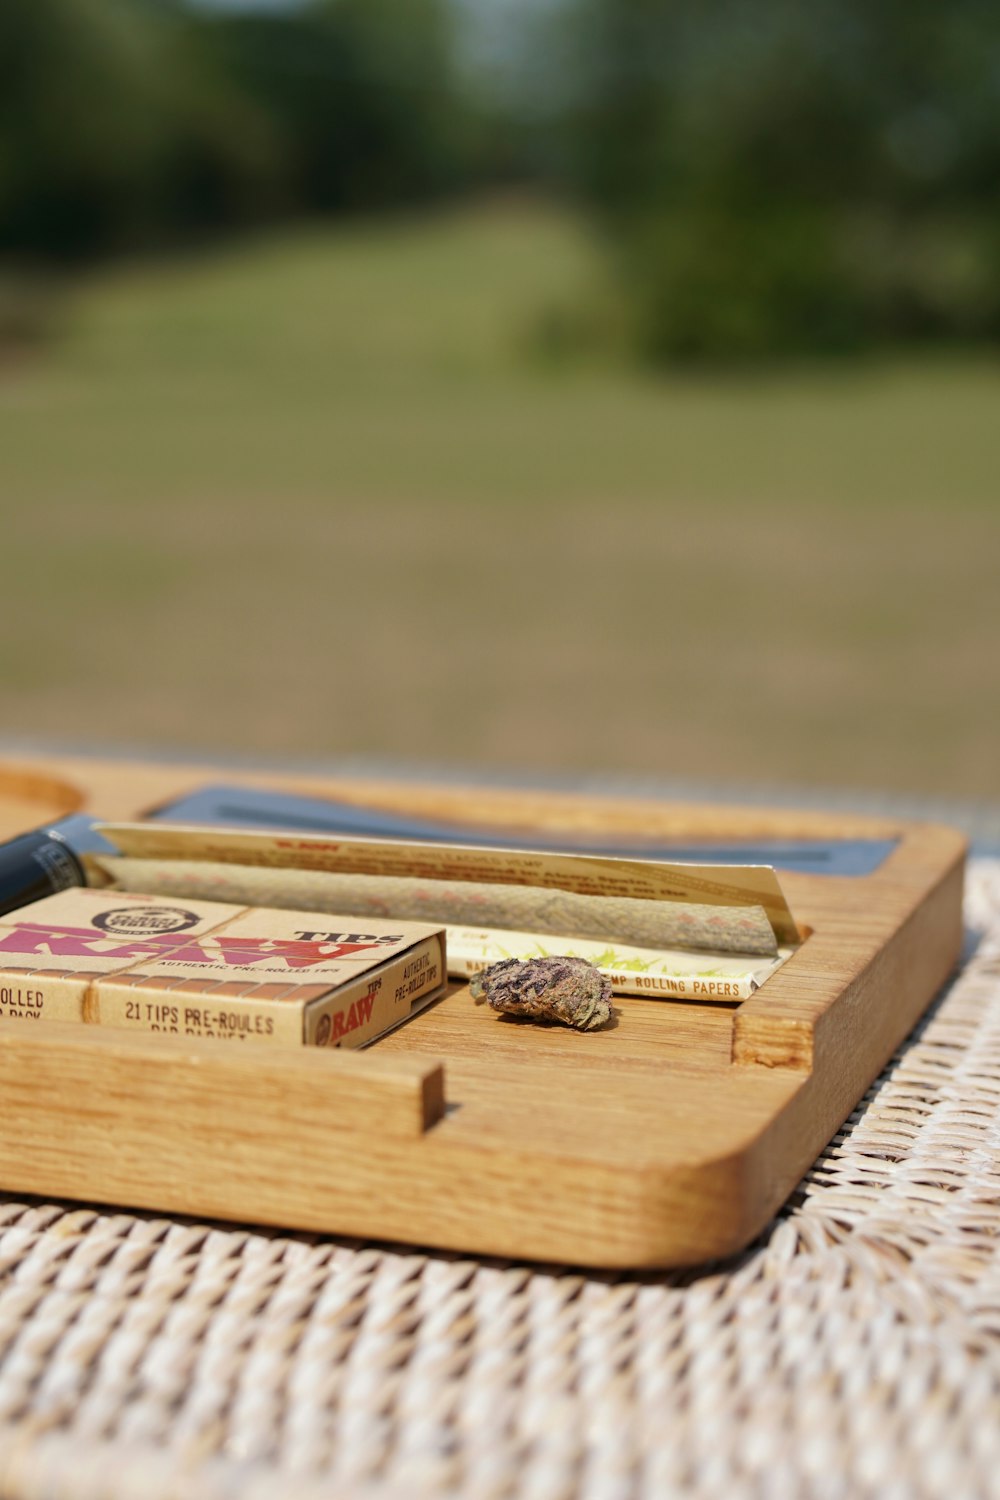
pixel 854 1351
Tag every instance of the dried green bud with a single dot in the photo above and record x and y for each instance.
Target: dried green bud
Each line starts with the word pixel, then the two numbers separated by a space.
pixel 563 989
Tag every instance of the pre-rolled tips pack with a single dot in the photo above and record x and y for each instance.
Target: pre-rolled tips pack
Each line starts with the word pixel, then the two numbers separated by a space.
pixel 203 968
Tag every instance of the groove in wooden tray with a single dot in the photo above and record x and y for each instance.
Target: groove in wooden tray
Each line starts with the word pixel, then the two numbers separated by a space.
pixel 29 799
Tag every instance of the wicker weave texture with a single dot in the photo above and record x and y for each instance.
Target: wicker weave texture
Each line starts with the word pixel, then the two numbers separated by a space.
pixel 855 1351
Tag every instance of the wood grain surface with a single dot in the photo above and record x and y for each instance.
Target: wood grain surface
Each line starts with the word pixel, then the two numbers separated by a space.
pixel 669 1138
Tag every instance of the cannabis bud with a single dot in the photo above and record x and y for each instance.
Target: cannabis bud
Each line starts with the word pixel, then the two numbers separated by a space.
pixel 569 990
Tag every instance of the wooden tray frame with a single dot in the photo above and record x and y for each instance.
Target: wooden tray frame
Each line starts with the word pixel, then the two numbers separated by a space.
pixel 668 1140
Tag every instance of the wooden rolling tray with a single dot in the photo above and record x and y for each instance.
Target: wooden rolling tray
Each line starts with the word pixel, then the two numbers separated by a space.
pixel 667 1140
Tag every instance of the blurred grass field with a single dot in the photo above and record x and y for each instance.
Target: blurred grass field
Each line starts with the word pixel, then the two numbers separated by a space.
pixel 351 492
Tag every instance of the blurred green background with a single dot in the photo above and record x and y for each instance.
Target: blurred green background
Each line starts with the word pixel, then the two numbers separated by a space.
pixel 588 385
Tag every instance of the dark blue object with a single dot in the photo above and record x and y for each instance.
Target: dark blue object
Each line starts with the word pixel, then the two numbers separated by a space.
pixel 47 860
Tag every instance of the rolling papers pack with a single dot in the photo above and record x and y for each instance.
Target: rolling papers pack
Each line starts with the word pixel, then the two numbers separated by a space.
pixel 204 968
pixel 652 974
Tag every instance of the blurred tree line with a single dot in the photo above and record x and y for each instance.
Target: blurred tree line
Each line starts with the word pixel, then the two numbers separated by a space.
pixel 771 177
pixel 783 177
pixel 126 123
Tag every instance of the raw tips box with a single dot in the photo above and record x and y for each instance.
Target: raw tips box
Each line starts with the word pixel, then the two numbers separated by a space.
pixel 202 968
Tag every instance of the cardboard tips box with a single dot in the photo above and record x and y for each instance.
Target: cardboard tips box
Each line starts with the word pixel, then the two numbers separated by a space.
pixel 201 968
